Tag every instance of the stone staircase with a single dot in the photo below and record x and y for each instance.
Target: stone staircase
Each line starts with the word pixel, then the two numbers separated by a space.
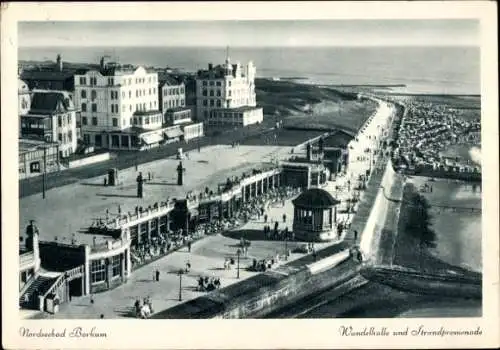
pixel 41 284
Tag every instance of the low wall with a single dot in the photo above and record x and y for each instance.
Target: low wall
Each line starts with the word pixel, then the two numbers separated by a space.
pixel 89 160
pixel 267 292
pixel 415 282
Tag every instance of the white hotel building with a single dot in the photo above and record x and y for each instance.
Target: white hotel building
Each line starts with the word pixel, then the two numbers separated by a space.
pixel 225 95
pixel 119 107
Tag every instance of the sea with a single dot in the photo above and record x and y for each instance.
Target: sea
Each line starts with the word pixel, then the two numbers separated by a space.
pixel 423 70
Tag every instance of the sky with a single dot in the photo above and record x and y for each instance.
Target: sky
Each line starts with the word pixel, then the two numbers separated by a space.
pixel 262 33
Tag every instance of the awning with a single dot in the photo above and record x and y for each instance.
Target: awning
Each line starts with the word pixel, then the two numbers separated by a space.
pixel 151 139
pixel 173 133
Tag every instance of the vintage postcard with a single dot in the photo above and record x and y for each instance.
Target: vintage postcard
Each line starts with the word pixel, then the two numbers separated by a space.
pixel 250 175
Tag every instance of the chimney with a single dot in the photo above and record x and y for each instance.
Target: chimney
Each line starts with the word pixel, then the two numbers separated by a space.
pixel 103 63
pixel 210 66
pixel 59 63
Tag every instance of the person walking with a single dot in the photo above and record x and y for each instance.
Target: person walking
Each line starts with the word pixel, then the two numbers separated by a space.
pixel 265 218
pixel 189 246
pixel 284 218
pixel 157 273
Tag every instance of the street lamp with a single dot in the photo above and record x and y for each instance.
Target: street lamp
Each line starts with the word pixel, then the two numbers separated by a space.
pixel 238 253
pixel 286 247
pixel 180 273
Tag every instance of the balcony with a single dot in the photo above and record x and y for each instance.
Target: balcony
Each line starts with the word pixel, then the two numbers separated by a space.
pixel 27 258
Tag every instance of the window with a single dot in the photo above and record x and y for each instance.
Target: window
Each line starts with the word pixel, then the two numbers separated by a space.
pixel 97 271
pixel 182 103
pixel 59 137
pixel 98 140
pixel 70 136
pixel 136 93
pixel 115 141
pixel 150 105
pixel 124 140
pixel 211 103
pixel 112 94
pixel 204 83
pixel 86 139
pixel 84 107
pixel 218 103
pixel 59 122
pixel 150 91
pixel 211 92
pixel 84 121
pixel 84 94
pixel 229 93
pixel 83 81
pixel 154 90
pixel 93 94
pixel 135 121
pixel 35 167
pixel 123 94
pixel 69 118
pixel 146 120
pixel 130 94
pixel 94 121
pixel 130 108
pixel 218 92
pixel 112 108
pixel 205 102
pixel 219 83
pixel 115 121
pixel 205 114
pixel 94 107
pixel 204 92
pixel 130 81
pixel 212 83
pixel 229 83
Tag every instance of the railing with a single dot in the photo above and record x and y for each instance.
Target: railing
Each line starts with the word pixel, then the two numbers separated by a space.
pixel 108 245
pixel 27 258
pixel 57 284
pixel 75 272
pixel 118 222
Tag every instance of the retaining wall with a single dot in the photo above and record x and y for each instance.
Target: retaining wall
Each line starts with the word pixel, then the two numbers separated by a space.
pixel 267 292
pixel 89 160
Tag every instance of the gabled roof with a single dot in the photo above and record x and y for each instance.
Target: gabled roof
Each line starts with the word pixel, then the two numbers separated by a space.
pixel 48 102
pixel 167 79
pixel 47 75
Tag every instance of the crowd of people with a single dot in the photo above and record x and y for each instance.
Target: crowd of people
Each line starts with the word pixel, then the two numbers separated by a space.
pixel 143 309
pixel 427 129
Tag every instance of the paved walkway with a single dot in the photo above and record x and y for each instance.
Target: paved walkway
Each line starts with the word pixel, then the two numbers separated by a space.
pixel 69 209
pixel 206 257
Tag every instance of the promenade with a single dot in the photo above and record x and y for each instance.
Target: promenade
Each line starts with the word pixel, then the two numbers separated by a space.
pixel 75 206
pixel 72 208
pixel 206 258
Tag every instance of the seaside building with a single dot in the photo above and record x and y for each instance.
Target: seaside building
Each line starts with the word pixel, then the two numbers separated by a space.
pixel 24 98
pixel 172 93
pixel 50 77
pixel 51 118
pixel 37 157
pixel 119 106
pixel 225 95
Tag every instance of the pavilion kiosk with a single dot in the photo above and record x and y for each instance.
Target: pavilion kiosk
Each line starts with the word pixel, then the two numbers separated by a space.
pixel 315 216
